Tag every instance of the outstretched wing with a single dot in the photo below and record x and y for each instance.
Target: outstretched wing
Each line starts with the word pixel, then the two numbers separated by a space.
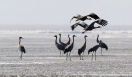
pixel 102 22
pixel 74 26
pixel 76 16
pixel 94 16
pixel 80 23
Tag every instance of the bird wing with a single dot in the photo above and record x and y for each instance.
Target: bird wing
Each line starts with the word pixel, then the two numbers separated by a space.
pixel 76 16
pixel 94 16
pixel 90 50
pixel 103 45
pixel 74 26
pixel 101 22
pixel 63 44
pixel 21 48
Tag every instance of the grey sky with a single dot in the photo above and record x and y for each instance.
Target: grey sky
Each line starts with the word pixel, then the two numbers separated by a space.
pixel 59 12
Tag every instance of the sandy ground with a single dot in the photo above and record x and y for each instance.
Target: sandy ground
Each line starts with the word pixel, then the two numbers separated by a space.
pixel 42 57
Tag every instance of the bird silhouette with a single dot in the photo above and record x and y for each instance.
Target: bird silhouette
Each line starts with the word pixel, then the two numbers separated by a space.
pixel 59 46
pixel 69 48
pixel 21 48
pixel 102 44
pixel 64 44
pixel 80 17
pixel 68 42
pixel 82 48
pixel 89 27
pixel 93 50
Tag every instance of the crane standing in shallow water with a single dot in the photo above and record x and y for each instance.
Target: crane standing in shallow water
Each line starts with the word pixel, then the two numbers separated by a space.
pixel 21 48
pixel 82 48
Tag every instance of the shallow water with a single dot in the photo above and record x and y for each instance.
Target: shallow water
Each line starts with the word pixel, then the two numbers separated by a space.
pixel 42 57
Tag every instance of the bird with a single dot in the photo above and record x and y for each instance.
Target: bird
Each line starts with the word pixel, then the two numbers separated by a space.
pixel 89 27
pixel 64 44
pixel 102 44
pixel 93 50
pixel 83 18
pixel 80 17
pixel 69 48
pixel 82 48
pixel 59 46
pixel 21 48
pixel 68 42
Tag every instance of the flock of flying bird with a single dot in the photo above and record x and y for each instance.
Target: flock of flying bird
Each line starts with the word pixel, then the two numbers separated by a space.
pixel 67 47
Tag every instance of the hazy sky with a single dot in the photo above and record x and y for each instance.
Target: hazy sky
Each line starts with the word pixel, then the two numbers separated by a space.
pixel 30 14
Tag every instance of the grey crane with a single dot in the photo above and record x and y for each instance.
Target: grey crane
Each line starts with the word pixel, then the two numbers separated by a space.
pixel 68 42
pixel 89 27
pixel 82 48
pixel 59 46
pixel 93 50
pixel 64 44
pixel 80 17
pixel 83 18
pixel 21 48
pixel 102 44
pixel 69 48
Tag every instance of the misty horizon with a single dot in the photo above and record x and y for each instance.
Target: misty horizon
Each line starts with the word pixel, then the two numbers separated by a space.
pixel 58 27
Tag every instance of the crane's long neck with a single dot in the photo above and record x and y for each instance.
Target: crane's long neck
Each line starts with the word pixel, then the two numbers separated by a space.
pixel 98 39
pixel 85 40
pixel 56 40
pixel 19 41
pixel 60 39
pixel 73 40
pixel 69 39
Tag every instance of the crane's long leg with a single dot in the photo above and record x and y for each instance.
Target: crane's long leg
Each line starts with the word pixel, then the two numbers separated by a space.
pixel 66 55
pixel 70 56
pixel 101 52
pixel 80 56
pixel 95 55
pixel 92 55
pixel 21 55
pixel 60 53
pixel 83 55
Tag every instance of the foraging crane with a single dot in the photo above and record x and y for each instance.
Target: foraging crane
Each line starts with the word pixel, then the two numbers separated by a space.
pixel 69 48
pixel 102 44
pixel 59 46
pixel 82 48
pixel 93 50
pixel 21 48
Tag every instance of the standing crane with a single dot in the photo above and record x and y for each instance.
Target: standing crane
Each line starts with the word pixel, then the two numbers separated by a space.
pixel 69 48
pixel 21 48
pixel 82 48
